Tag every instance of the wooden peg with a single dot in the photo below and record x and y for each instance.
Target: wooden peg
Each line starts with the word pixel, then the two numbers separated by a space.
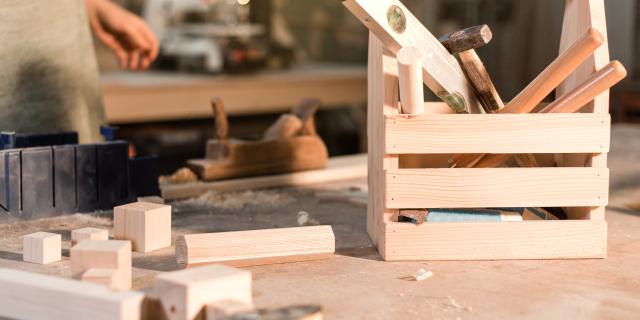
pixel 410 79
pixel 222 124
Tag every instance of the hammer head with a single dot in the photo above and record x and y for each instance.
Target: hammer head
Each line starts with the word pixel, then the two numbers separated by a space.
pixel 467 39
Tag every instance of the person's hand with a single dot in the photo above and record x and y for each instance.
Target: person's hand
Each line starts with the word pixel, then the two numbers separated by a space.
pixel 128 36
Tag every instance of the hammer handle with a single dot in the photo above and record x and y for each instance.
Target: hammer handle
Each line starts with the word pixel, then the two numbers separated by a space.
pixel 571 102
pixel 555 73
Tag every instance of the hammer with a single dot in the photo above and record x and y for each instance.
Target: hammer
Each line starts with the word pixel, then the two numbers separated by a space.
pixel 463 43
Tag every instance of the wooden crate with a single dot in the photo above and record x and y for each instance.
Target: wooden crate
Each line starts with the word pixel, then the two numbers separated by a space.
pixel 579 184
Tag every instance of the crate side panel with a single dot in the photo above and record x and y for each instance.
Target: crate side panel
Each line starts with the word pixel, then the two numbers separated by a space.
pixel 498 133
pixel 496 187
pixel 500 240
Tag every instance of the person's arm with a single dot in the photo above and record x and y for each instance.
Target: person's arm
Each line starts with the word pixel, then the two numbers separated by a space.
pixel 128 36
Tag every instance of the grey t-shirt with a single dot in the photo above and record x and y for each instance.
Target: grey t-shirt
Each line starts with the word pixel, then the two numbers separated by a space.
pixel 48 72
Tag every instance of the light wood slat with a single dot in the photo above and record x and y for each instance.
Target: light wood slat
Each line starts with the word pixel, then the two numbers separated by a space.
pixel 499 187
pixel 497 133
pixel 499 240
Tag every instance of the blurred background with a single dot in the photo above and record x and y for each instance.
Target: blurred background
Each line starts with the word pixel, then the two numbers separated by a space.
pixel 264 56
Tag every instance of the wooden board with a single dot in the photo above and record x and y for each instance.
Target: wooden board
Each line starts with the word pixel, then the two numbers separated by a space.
pixel 27 295
pixel 441 71
pixel 497 133
pixel 496 187
pixel 580 15
pixel 338 168
pixel 255 247
pixel 497 240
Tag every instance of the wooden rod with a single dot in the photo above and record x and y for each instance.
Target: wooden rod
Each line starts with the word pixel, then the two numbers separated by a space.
pixel 571 102
pixel 410 78
pixel 555 73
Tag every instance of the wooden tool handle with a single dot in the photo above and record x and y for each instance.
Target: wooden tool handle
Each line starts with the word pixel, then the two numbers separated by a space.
pixel 222 125
pixel 555 73
pixel 410 80
pixel 571 102
pixel 598 82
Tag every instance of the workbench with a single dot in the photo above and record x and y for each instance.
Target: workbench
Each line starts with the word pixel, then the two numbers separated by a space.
pixel 163 96
pixel 356 284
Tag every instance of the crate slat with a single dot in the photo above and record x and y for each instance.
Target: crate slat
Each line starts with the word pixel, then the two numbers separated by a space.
pixel 498 133
pixel 499 240
pixel 499 187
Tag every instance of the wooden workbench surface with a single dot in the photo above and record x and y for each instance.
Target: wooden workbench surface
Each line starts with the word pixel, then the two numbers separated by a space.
pixel 355 284
pixel 156 96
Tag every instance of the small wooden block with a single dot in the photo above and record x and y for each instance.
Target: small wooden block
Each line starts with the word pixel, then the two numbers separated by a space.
pixel 103 276
pixel 224 308
pixel 42 247
pixel 184 294
pixel 88 234
pixel 147 225
pixel 103 254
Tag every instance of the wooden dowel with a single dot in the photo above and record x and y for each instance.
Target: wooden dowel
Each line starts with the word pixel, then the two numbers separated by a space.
pixel 555 73
pixel 255 247
pixel 410 78
pixel 542 85
pixel 600 81
pixel 571 102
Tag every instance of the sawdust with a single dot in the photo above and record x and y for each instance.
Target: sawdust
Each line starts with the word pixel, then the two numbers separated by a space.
pixel 305 220
pixel 240 199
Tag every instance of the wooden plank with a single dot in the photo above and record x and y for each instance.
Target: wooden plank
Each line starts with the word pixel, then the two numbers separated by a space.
pixel 184 294
pixel 580 15
pixel 496 240
pixel 383 98
pixel 338 168
pixel 255 247
pixel 441 71
pixel 27 295
pixel 499 187
pixel 127 96
pixel 497 133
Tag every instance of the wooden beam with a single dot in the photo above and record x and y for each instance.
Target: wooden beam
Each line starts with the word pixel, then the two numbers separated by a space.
pixel 255 247
pixel 27 295
pixel 338 168
pixel 497 133
pixel 496 187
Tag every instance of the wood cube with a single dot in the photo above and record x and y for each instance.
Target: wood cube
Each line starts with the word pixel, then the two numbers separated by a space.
pixel 42 247
pixel 184 294
pixel 147 225
pixel 88 234
pixel 103 254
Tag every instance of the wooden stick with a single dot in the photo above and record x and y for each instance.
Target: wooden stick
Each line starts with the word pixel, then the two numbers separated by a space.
pixel 571 102
pixel 479 77
pixel 255 247
pixel 410 78
pixel 222 125
pixel 555 73
pixel 600 81
pixel 467 39
pixel 545 82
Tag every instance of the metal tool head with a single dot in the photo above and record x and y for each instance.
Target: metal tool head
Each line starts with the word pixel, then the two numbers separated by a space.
pixel 467 39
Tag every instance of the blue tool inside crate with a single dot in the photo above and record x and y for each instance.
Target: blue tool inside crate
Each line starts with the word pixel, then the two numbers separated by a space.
pixel 50 174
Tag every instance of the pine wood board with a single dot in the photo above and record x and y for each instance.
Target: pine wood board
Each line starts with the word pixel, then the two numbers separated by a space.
pixel 499 240
pixel 498 187
pixel 497 133
pixel 338 168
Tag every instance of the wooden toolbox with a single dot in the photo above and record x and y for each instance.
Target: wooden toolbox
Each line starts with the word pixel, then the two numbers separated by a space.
pixel 576 179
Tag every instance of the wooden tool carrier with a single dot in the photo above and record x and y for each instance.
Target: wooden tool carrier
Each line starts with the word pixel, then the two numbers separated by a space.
pixel 574 176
